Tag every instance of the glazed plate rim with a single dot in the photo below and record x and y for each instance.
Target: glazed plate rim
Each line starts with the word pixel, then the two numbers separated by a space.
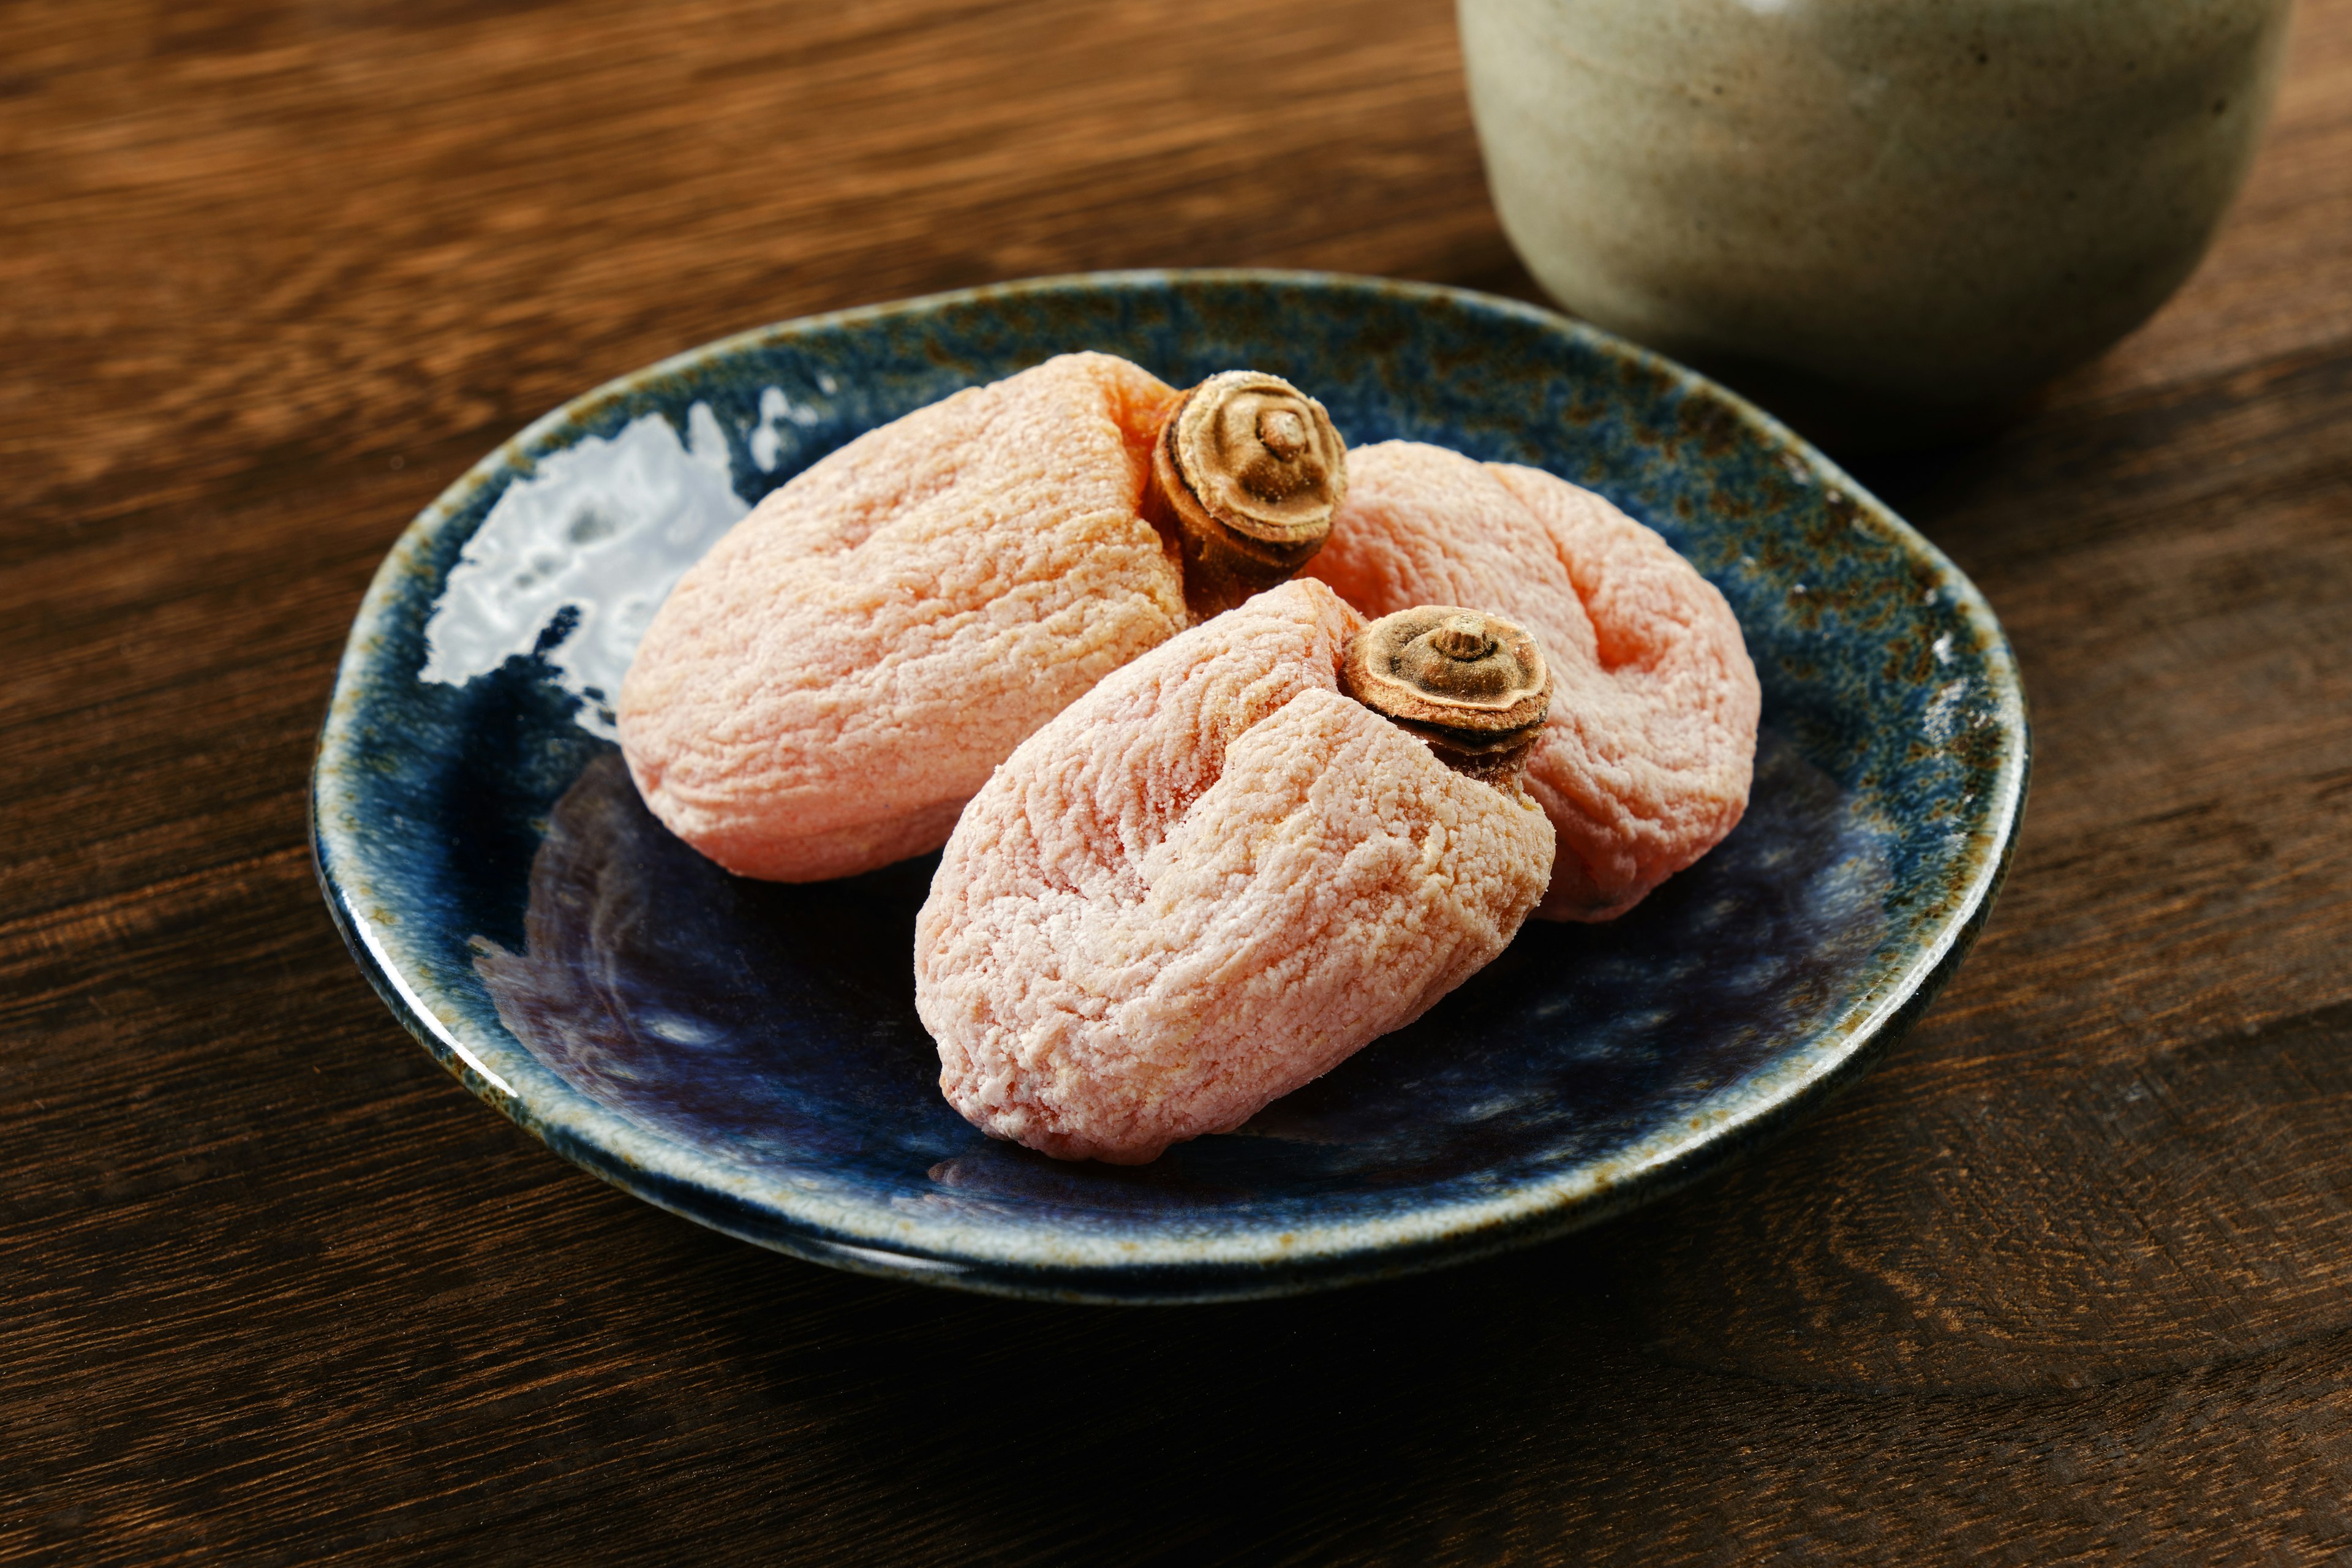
pixel 1029 1260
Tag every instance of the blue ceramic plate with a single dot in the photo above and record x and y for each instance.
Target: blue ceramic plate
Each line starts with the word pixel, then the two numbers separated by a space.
pixel 748 1055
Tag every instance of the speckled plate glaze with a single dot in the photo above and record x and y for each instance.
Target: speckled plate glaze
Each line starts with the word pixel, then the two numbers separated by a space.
pixel 748 1055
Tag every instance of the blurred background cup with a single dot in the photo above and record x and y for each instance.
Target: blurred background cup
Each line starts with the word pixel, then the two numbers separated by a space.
pixel 1885 220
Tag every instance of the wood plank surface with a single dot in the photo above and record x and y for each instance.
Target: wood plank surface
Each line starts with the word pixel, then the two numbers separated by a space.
pixel 2067 1278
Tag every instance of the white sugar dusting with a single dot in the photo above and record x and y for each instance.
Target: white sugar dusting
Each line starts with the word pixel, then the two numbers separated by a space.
pixel 604 529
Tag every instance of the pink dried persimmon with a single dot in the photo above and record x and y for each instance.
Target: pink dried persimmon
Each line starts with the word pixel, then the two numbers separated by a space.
pixel 1234 862
pixel 822 693
pixel 1646 761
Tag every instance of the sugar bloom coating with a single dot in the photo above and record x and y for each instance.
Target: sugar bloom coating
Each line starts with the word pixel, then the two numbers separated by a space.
pixel 822 693
pixel 1645 760
pixel 1207 883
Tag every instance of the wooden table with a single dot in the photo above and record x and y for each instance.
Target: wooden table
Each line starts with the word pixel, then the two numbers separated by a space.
pixel 2068 1278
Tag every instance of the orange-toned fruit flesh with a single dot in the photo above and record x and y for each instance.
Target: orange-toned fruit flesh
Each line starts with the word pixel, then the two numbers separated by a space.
pixel 822 693
pixel 1207 883
pixel 1645 760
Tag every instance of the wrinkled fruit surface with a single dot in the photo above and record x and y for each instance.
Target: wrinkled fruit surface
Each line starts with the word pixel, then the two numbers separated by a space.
pixel 1209 881
pixel 822 693
pixel 1644 762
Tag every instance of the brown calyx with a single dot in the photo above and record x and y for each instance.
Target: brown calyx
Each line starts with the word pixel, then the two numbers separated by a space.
pixel 1474 686
pixel 1246 471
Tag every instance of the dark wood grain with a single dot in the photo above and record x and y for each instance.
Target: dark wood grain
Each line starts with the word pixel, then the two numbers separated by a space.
pixel 2067 1278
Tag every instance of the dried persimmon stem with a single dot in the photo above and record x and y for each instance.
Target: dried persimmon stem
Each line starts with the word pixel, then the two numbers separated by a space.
pixel 1246 472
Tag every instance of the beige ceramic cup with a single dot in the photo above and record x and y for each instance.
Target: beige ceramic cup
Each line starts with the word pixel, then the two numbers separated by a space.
pixel 1886 219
